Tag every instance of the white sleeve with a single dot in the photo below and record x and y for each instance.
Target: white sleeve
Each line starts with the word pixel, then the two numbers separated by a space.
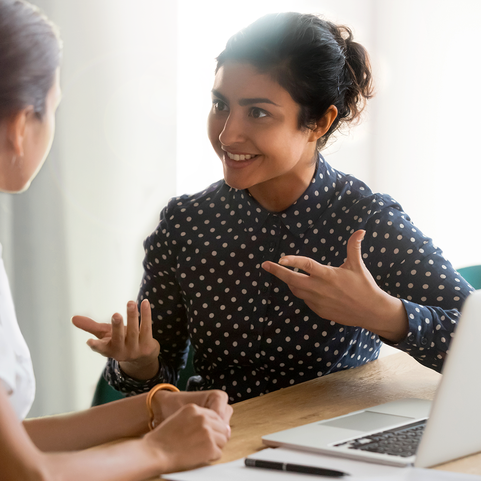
pixel 7 360
pixel 16 371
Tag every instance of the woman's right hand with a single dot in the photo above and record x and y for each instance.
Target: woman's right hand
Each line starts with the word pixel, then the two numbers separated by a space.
pixel 133 346
pixel 191 437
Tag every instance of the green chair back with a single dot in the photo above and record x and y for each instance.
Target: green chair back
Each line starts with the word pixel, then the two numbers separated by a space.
pixel 472 274
pixel 187 372
pixel 105 393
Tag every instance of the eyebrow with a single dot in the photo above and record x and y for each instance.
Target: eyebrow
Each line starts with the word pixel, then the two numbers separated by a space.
pixel 245 102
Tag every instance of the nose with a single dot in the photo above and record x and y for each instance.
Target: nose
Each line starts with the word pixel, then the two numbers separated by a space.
pixel 233 131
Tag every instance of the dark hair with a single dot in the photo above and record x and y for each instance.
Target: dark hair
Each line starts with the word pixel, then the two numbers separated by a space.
pixel 316 61
pixel 30 52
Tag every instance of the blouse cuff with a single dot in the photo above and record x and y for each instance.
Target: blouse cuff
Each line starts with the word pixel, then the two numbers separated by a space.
pixel 121 381
pixel 420 341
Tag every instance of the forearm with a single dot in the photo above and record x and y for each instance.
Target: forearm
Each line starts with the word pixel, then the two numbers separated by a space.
pixel 389 319
pixel 98 425
pixel 141 370
pixel 130 460
pixel 20 459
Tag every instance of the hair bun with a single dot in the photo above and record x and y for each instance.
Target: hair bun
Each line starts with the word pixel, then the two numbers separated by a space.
pixel 356 82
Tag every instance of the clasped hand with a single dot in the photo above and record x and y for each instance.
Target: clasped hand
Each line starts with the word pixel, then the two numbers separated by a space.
pixel 193 429
pixel 347 294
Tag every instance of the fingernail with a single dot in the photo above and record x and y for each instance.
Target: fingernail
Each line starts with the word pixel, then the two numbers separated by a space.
pixel 282 261
pixel 115 320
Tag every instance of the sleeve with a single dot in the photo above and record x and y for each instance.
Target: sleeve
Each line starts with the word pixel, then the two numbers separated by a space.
pixel 7 361
pixel 406 264
pixel 169 325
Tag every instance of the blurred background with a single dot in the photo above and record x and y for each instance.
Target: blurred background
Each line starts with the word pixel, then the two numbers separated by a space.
pixel 131 133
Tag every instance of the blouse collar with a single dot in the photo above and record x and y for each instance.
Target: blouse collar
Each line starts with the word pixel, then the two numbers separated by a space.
pixel 299 216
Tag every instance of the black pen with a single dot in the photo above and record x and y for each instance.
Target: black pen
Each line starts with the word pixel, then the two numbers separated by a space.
pixel 294 468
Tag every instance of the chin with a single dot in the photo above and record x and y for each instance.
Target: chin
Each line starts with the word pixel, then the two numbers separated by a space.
pixel 24 188
pixel 236 185
pixel 15 188
pixel 235 182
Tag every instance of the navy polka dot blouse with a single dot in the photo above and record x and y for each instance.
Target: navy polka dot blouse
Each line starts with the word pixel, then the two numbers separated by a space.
pixel 250 334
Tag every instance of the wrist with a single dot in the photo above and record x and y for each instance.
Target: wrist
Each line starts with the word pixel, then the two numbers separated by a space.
pixel 391 321
pixel 158 454
pixel 141 369
pixel 156 415
pixel 157 402
pixel 154 457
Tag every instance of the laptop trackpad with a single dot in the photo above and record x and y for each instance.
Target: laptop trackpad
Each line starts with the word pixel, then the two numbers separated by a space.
pixel 366 421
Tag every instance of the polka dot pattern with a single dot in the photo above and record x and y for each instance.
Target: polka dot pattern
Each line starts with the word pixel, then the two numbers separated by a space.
pixel 251 335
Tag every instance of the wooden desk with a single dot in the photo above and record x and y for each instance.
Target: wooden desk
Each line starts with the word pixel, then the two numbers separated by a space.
pixel 393 377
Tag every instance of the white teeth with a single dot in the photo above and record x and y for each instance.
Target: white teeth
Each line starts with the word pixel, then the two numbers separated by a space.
pixel 239 157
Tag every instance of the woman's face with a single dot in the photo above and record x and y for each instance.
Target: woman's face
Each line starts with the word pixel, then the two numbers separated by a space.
pixel 17 172
pixel 253 127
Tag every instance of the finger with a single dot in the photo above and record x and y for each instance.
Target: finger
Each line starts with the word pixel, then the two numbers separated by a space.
pixel 132 334
pixel 229 411
pixel 217 401
pixel 221 430
pixel 221 437
pixel 99 330
pixel 354 252
pixel 118 335
pixel 215 421
pixel 306 264
pixel 145 320
pixel 284 274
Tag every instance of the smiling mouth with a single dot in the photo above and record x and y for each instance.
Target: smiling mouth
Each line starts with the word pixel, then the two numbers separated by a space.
pixel 240 157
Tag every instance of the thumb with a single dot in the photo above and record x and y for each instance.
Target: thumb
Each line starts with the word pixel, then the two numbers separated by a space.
pixel 100 347
pixel 354 253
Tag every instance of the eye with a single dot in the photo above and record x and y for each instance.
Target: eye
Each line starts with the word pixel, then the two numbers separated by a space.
pixel 257 113
pixel 219 105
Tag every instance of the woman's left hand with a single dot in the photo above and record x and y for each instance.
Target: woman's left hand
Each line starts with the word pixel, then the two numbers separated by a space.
pixel 347 294
pixel 166 403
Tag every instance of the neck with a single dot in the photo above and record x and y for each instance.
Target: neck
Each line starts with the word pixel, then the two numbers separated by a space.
pixel 276 195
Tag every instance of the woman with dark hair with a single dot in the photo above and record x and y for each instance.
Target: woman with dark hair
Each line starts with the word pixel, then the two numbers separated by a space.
pixel 353 270
pixel 186 429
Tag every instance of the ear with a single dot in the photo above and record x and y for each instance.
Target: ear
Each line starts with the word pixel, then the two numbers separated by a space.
pixel 16 130
pixel 324 124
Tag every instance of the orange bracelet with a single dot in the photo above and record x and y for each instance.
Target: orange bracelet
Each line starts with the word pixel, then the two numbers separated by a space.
pixel 159 387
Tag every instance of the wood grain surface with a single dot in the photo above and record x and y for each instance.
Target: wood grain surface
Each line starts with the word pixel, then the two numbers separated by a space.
pixel 392 377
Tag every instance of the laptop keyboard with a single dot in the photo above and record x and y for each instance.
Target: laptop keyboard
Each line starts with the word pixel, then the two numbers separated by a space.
pixel 401 441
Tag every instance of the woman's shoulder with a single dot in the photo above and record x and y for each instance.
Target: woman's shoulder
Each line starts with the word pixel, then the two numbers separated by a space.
pixel 194 201
pixel 350 192
pixel 193 212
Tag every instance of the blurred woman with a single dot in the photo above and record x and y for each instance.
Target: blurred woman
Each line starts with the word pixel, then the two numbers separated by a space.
pixel 186 429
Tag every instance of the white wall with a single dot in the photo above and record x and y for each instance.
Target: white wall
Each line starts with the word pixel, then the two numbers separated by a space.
pixel 426 118
pixel 118 131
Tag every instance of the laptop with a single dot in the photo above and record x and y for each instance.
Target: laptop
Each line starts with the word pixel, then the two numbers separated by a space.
pixel 431 433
